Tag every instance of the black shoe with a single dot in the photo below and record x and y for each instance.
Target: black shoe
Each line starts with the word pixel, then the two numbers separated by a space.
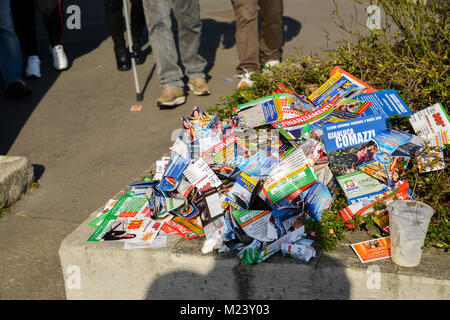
pixel 138 55
pixel 122 58
pixel 18 89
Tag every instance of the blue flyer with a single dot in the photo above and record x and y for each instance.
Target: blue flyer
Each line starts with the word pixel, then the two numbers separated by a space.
pixel 349 144
pixel 351 133
pixel 386 102
pixel 317 199
pixel 174 172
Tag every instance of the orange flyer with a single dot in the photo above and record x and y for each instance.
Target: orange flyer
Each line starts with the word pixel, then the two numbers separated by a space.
pixel 372 250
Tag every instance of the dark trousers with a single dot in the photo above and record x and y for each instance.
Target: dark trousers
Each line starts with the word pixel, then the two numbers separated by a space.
pixel 116 22
pixel 25 22
pixel 254 49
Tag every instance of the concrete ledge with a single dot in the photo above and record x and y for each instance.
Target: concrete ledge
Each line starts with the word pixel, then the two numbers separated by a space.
pixel 16 173
pixel 99 270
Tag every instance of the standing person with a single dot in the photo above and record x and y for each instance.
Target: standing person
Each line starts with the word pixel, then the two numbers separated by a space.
pixel 25 25
pixel 115 23
pixel 254 50
pixel 159 25
pixel 10 55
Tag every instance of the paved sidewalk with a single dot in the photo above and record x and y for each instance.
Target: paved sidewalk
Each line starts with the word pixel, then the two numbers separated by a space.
pixel 85 144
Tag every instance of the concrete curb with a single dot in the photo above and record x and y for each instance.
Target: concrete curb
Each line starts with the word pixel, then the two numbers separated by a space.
pixel 16 174
pixel 98 270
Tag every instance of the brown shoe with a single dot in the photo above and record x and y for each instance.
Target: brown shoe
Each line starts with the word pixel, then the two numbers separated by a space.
pixel 171 97
pixel 199 87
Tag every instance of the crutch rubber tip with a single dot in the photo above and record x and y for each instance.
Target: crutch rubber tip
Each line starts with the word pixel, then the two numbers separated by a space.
pixel 139 96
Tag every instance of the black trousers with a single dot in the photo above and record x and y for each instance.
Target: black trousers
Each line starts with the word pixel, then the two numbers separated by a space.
pixel 25 22
pixel 116 22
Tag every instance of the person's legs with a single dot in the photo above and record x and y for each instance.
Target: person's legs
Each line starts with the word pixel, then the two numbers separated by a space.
pixel 159 25
pixel 10 54
pixel 115 25
pixel 25 25
pixel 187 14
pixel 51 11
pixel 246 12
pixel 114 21
pixel 271 37
pixel 137 21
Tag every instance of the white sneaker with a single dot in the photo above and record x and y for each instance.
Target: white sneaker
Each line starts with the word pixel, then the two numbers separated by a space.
pixel 59 57
pixel 245 80
pixel 271 63
pixel 33 69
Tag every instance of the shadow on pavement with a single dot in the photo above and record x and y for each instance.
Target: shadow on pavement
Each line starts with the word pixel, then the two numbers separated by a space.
pixel 38 171
pixel 15 113
pixel 291 28
pixel 277 278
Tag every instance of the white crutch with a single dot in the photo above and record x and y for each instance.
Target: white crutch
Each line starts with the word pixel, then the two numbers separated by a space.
pixel 139 94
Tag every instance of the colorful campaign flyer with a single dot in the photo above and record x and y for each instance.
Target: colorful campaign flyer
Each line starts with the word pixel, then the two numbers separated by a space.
pixel 254 223
pixel 282 220
pixel 299 102
pixel 317 199
pixel 293 173
pixel 287 107
pixel 257 103
pixel 350 77
pixel 295 125
pixel 338 85
pixel 241 193
pixel 386 102
pixel 366 206
pixel 188 229
pixel 261 113
pixel 373 250
pixel 129 221
pixel 178 162
pixel 433 125
pixel 430 121
pixel 201 176
pixel 316 119
pixel 258 165
pixel 223 152
pixel 387 155
pixel 344 142
pixel 351 105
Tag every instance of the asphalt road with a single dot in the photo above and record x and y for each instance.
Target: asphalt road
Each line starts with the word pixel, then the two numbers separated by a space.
pixel 85 143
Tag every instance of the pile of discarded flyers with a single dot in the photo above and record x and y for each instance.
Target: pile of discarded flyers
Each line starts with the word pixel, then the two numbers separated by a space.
pixel 247 183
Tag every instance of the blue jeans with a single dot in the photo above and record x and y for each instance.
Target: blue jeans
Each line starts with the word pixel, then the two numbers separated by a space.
pixel 10 51
pixel 187 14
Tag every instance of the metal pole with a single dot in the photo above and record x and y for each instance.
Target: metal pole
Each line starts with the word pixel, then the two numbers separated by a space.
pixel 139 95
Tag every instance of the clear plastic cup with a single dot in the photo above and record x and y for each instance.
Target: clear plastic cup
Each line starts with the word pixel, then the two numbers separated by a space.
pixel 408 225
